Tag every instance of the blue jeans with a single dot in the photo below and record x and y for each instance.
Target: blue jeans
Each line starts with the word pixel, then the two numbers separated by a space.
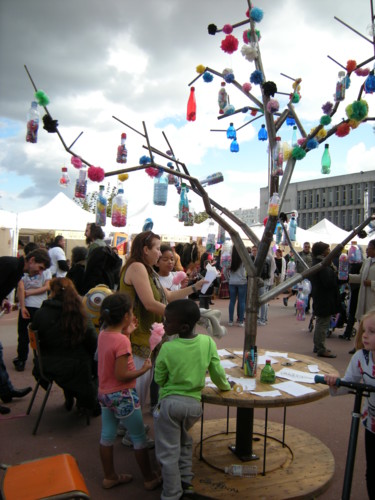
pixel 237 291
pixel 263 310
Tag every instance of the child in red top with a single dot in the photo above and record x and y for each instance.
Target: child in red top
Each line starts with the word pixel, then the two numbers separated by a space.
pixel 117 394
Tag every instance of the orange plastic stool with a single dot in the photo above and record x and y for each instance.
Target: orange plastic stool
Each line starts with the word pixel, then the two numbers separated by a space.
pixel 50 477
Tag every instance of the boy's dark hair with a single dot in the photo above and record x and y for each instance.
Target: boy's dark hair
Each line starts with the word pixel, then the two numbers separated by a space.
pixel 114 307
pixel 30 247
pixel 165 248
pixel 78 254
pixel 187 311
pixel 41 256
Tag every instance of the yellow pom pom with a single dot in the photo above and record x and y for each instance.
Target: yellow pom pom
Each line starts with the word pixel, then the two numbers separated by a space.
pixel 122 177
pixel 322 134
pixel 287 151
pixel 201 69
pixel 353 123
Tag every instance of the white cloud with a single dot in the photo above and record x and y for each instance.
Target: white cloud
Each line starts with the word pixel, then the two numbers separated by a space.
pixel 359 158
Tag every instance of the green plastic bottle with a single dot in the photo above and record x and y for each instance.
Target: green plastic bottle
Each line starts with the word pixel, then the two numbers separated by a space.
pixel 267 375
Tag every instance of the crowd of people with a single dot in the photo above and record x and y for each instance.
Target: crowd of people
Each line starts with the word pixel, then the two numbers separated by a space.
pixel 110 367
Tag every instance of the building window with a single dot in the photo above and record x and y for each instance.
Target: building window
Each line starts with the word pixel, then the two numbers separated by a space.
pixel 351 194
pixel 344 195
pixel 304 199
pixel 337 195
pixel 309 219
pixel 310 199
pixel 359 194
pixel 330 197
pixel 323 197
pixel 343 220
pixel 350 219
pixel 372 192
pixel 299 201
pixel 358 216
pixel 303 221
pixel 317 198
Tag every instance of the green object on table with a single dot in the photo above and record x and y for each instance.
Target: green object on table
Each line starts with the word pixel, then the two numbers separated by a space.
pixel 267 375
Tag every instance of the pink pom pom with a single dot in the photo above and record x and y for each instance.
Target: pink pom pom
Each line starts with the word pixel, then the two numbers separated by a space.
pixel 301 141
pixel 227 29
pixel 95 174
pixel 178 277
pixel 362 71
pixel 152 171
pixel 229 44
pixel 157 332
pixel 76 162
pixel 273 106
pixel 246 87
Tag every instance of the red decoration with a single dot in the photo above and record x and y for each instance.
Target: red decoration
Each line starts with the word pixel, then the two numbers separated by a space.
pixel 152 171
pixel 350 66
pixel 229 44
pixel 76 162
pixel 95 174
pixel 343 129
pixel 254 112
pixel 191 106
pixel 265 221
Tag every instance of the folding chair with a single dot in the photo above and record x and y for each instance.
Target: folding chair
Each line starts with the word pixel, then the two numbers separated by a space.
pixel 35 345
pixel 56 477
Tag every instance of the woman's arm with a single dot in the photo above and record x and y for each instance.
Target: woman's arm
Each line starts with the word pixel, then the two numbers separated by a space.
pixel 137 276
pixel 184 292
pixel 122 372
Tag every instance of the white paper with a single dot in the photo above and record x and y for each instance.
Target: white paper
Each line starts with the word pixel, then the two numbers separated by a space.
pixel 224 352
pixel 293 388
pixel 248 384
pixel 313 368
pixel 296 376
pixel 226 363
pixel 267 394
pixel 280 355
pixel 262 359
pixel 208 382
pixel 211 274
pixel 238 353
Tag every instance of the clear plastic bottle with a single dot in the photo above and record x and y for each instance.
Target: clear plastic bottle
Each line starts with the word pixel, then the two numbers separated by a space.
pixel 354 253
pixel 326 160
pixel 64 179
pixel 119 209
pixel 267 375
pixel 212 179
pixel 343 267
pixel 122 153
pixel 277 158
pixel 292 228
pixel 340 87
pixel 210 244
pixel 32 123
pixel 222 98
pixel 161 190
pixel 81 184
pixel 183 207
pixel 241 470
pixel 101 207
pixel 294 136
pixel 274 205
pixel 291 268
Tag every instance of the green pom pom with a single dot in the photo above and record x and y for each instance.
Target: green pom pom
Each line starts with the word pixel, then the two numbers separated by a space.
pixel 357 111
pixel 325 120
pixel 42 98
pixel 298 153
pixel 295 98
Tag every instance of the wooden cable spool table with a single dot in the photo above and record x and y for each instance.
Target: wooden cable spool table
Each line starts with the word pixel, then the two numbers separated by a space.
pixel 213 449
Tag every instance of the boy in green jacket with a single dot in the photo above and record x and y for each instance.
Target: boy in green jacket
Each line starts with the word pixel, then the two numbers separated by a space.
pixel 180 372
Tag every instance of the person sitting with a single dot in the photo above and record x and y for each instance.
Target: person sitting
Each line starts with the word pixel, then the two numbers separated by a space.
pixel 68 342
pixel 77 271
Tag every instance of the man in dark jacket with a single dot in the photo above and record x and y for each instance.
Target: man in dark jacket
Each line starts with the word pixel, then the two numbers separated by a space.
pixel 326 298
pixel 11 271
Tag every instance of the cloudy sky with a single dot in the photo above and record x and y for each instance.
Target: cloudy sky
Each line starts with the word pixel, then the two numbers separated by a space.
pixel 135 60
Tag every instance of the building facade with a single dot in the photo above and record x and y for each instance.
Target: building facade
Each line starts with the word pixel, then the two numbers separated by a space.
pixel 249 215
pixel 343 200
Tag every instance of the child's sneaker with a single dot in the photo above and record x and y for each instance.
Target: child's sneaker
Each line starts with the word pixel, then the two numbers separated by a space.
pixel 188 489
pixel 230 323
pixel 241 324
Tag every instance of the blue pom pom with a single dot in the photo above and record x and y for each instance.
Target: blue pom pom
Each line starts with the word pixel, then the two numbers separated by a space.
pixel 245 109
pixel 256 77
pixel 370 84
pixel 170 164
pixel 208 77
pixel 347 82
pixel 144 160
pixel 312 144
pixel 229 110
pixel 256 14
pixel 229 77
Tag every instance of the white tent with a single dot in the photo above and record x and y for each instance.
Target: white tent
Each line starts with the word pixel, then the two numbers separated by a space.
pixel 328 232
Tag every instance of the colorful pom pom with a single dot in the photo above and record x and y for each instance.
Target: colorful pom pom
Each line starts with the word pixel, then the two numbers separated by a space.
pixel 351 65
pixel 212 29
pixel 298 153
pixel 327 108
pixel 370 84
pixel 301 141
pixel 200 69
pixel 256 77
pixel 246 36
pixel 362 71
pixel 152 171
pixel 227 29
pixel 229 110
pixel 325 120
pixel 246 87
pixel 295 98
pixel 269 88
pixel 273 106
pixel 229 44
pixel 312 144
pixel 250 52
pixel 358 110
pixel 208 77
pixel 287 151
pixel 254 112
pixel 95 174
pixel 123 177
pixel 76 162
pixel 322 134
pixel 256 14
pixel 229 78
pixel 42 98
pixel 144 160
pixel 343 129
pixel 353 124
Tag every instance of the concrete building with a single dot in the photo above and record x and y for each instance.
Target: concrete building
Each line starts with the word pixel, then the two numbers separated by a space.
pixel 340 199
pixel 249 215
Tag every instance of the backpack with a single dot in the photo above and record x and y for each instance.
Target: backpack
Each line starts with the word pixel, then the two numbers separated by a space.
pixel 103 268
pixel 266 270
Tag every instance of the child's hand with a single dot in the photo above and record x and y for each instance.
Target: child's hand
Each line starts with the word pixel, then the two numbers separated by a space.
pixel 330 380
pixel 133 325
pixel 185 282
pixel 147 365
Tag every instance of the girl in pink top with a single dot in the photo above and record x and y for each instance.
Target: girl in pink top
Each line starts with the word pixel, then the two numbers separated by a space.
pixel 117 394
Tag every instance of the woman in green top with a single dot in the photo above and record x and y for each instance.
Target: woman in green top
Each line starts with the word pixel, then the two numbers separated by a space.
pixel 141 282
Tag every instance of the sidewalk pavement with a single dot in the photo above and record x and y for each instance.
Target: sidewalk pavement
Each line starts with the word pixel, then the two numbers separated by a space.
pixel 328 419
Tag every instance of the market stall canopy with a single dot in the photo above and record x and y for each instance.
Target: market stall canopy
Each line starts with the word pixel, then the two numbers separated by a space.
pixel 328 232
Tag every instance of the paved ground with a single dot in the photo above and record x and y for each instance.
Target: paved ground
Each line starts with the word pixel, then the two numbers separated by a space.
pixel 60 432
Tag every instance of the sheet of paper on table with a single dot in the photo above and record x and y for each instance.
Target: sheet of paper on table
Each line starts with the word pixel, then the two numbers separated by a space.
pixel 248 384
pixel 296 375
pixel 267 394
pixel 224 352
pixel 263 358
pixel 226 363
pixel 313 368
pixel 279 355
pixel 293 388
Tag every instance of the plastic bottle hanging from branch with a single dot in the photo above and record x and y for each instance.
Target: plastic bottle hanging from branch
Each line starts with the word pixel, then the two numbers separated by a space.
pixel 326 160
pixel 231 132
pixel 119 209
pixel 277 158
pixel 222 99
pixel 191 113
pixel 32 123
pixel 183 207
pixel 81 184
pixel 160 189
pixel 122 153
pixel 262 134
pixel 101 207
pixel 64 179
pixel 340 87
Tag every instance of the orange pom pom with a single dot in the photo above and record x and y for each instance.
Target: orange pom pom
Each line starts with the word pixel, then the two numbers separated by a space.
pixel 351 66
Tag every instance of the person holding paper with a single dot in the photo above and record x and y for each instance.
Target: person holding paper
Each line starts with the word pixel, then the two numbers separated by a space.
pixel 210 275
pixel 236 276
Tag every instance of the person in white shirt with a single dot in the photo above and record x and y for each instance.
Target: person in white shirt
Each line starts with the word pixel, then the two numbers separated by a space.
pixel 59 265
